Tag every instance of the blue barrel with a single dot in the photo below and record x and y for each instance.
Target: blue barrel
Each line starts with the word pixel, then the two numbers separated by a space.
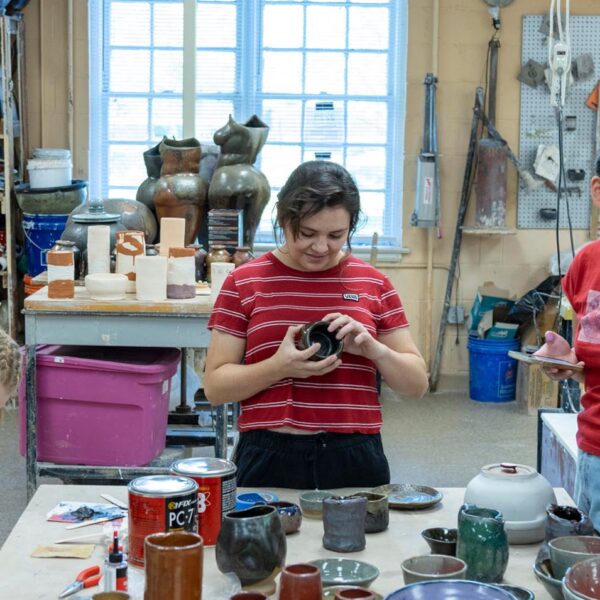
pixel 41 232
pixel 492 373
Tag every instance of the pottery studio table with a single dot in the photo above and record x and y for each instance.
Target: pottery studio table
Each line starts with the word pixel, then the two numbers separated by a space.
pixel 82 321
pixel 28 578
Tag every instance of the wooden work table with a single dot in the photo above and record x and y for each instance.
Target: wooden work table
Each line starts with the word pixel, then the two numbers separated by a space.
pixel 82 321
pixel 29 578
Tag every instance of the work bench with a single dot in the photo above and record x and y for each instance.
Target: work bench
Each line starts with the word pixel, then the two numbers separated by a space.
pixel 82 321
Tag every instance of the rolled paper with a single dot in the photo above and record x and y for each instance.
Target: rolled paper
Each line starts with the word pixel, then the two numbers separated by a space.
pixel 181 273
pixel 151 278
pixel 61 274
pixel 172 234
pixel 130 245
pixel 218 274
pixel 98 249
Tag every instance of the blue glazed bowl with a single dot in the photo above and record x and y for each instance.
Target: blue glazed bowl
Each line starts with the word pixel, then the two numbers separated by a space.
pixel 249 499
pixel 450 589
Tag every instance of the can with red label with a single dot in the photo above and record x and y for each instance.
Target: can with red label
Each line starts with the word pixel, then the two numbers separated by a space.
pixel 157 504
pixel 216 491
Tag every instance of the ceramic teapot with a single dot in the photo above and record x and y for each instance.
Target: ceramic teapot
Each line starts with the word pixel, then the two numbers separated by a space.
pixel 520 493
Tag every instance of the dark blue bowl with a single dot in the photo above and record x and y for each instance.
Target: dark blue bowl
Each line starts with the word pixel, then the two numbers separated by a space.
pixel 450 589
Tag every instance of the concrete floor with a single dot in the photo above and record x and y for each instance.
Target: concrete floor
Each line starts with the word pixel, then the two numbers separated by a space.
pixel 441 440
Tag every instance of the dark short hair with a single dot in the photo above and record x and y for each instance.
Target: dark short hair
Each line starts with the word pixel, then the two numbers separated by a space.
pixel 313 186
pixel 597 165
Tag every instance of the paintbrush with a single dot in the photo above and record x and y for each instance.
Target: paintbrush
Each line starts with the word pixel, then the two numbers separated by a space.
pixel 77 538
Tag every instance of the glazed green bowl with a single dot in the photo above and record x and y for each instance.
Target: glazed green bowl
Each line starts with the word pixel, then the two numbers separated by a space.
pixel 311 503
pixel 567 550
pixel 345 571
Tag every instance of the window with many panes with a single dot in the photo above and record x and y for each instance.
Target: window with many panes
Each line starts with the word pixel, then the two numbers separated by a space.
pixel 327 76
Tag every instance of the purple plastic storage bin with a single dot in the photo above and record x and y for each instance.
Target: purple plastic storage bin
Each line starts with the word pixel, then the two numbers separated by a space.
pixel 99 405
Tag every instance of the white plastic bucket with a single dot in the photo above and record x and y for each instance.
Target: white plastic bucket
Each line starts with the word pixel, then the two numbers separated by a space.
pixel 52 153
pixel 49 173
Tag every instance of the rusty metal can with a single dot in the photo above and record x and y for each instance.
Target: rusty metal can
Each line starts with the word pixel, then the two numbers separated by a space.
pixel 157 504
pixel 216 491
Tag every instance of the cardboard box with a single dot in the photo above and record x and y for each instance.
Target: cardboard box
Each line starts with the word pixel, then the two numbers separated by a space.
pixel 502 331
pixel 488 298
pixel 534 389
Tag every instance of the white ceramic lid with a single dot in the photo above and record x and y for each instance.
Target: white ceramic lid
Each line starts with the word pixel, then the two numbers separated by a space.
pixel 508 471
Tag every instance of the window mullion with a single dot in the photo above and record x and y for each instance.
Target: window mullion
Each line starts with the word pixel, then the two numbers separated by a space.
pixel 189 68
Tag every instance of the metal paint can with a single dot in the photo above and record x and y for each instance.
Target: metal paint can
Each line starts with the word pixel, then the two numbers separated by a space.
pixel 216 491
pixel 157 504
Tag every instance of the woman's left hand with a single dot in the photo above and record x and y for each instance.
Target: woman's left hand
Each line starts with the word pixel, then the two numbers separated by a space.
pixel 357 340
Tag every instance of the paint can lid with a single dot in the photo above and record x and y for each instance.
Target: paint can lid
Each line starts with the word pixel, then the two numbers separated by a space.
pixel 203 466
pixel 158 485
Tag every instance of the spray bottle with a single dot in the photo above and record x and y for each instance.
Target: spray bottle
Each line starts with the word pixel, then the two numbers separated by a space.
pixel 115 569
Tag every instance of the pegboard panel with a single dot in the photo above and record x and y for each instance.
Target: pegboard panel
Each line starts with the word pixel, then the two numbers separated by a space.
pixel 539 125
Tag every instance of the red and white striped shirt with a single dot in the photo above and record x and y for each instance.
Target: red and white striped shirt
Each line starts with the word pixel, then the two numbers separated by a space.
pixel 263 297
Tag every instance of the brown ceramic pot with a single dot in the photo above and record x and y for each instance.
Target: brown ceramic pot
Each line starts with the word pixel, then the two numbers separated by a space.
pixel 301 581
pixel 217 253
pixel 111 596
pixel 242 255
pixel 248 596
pixel 173 563
pixel 352 593
pixel 181 192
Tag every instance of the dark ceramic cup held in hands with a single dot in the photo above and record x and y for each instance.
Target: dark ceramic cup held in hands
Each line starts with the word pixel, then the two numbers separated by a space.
pixel 316 332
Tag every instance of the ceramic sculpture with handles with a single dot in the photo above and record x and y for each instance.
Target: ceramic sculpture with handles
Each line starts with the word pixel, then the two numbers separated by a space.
pixel 520 493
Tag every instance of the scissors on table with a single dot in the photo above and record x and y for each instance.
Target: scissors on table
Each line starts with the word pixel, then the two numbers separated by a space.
pixel 87 578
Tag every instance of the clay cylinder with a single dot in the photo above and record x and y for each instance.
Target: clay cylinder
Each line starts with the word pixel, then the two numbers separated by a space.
pixel 172 234
pixel 181 273
pixel 301 581
pixel 61 274
pixel 151 278
pixel 173 563
pixel 130 244
pixel 344 523
pixel 218 273
pixel 98 249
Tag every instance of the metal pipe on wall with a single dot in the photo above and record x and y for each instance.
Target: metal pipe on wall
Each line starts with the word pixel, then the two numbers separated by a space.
pixel 70 111
pixel 431 230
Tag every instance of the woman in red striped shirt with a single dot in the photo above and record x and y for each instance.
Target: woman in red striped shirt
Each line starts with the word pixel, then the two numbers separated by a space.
pixel 308 423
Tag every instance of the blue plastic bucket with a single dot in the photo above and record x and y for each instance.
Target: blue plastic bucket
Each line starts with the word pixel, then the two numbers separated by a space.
pixel 492 373
pixel 41 232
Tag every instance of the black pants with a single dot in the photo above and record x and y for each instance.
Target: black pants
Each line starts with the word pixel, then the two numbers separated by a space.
pixel 323 460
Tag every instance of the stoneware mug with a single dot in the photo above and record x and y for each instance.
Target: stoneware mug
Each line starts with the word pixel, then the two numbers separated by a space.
pixel 378 511
pixel 344 523
pixel 301 581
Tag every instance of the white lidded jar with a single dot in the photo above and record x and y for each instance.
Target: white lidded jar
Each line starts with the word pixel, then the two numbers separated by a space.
pixel 520 493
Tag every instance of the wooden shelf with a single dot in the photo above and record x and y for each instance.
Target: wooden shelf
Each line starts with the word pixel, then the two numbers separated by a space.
pixel 472 230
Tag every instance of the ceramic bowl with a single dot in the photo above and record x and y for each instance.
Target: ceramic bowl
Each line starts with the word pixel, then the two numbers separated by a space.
pixel 290 515
pixel 106 286
pixel 317 333
pixel 311 503
pixel 583 579
pixel 520 593
pixel 542 569
pixel 249 499
pixel 433 566
pixel 408 496
pixel 338 571
pixel 329 592
pixel 450 589
pixel 570 549
pixel 441 540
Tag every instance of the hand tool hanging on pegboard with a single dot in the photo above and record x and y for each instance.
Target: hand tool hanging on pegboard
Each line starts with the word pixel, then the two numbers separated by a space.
pixel 490 180
pixel 427 198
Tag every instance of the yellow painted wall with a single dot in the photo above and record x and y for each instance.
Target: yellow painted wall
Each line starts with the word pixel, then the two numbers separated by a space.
pixel 516 262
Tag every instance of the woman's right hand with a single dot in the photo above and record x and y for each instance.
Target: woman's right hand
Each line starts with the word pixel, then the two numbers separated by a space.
pixel 296 363
pixel 557 347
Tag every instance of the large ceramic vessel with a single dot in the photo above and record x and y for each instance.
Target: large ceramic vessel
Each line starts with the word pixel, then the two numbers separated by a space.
pixel 181 191
pixel 236 184
pixel 482 543
pixel 153 162
pixel 520 493
pixel 251 544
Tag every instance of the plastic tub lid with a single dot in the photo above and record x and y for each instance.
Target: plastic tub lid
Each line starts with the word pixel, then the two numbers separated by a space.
pixel 51 153
pixel 48 163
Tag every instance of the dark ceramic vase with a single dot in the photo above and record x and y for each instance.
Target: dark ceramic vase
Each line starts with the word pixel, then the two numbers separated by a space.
pixel 301 581
pixel 251 544
pixel 290 515
pixel 378 511
pixel 200 255
pixel 181 192
pixel 344 523
pixel 153 162
pixel 566 520
pixel 173 565
pixel 236 184
pixel 482 543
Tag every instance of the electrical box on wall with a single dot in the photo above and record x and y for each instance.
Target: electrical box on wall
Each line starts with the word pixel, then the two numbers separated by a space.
pixel 456 314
